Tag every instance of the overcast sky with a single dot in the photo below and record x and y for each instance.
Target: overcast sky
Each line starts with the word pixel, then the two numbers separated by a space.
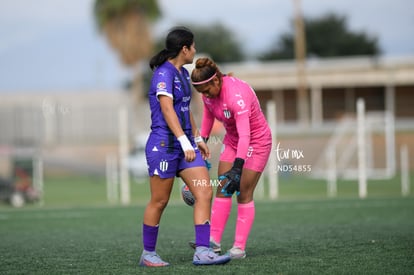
pixel 53 45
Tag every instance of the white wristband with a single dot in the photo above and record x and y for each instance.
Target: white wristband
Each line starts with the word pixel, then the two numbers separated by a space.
pixel 198 139
pixel 185 143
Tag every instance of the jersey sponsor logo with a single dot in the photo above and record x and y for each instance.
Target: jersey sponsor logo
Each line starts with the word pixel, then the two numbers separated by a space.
pixel 163 165
pixel 227 114
pixel 161 85
pixel 242 112
pixel 241 103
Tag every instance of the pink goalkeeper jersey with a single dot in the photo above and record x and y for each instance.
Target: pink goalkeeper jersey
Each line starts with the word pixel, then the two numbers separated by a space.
pixel 238 108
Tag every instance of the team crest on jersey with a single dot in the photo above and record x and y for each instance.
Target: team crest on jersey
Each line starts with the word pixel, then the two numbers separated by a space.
pixel 163 165
pixel 227 114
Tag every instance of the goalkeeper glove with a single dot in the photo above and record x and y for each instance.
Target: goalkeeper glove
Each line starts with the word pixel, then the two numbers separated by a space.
pixel 233 178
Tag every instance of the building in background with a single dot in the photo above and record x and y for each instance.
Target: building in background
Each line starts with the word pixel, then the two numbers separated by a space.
pixel 79 129
pixel 333 87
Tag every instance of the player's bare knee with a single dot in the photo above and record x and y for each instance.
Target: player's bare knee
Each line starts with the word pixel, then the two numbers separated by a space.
pixel 160 203
pixel 203 194
pixel 244 197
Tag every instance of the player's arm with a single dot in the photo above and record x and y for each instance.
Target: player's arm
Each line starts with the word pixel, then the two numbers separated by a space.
pixel 170 116
pixel 243 130
pixel 196 132
pixel 241 112
pixel 205 152
pixel 206 123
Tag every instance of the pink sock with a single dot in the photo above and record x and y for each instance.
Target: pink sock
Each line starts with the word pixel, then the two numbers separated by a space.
pixel 245 218
pixel 220 213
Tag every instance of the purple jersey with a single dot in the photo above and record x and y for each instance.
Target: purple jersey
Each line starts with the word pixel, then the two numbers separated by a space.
pixel 168 81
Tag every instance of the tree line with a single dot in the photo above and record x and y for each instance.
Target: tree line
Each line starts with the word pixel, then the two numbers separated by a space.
pixel 126 25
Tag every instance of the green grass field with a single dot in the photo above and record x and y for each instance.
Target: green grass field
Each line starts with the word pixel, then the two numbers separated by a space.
pixel 91 191
pixel 77 232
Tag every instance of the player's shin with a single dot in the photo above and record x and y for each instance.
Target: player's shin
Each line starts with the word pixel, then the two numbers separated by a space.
pixel 149 237
pixel 219 215
pixel 202 234
pixel 245 218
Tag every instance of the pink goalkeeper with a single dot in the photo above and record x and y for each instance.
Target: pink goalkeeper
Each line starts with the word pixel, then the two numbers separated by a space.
pixel 246 148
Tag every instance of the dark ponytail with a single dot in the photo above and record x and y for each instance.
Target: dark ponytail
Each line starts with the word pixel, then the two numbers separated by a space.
pixel 176 39
pixel 160 58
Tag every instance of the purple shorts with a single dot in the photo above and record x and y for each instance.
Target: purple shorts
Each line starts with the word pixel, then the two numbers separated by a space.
pixel 168 161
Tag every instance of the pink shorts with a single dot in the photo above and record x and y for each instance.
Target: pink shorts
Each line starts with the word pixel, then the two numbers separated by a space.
pixel 257 155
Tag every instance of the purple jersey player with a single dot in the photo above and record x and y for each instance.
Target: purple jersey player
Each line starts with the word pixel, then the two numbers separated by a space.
pixel 175 148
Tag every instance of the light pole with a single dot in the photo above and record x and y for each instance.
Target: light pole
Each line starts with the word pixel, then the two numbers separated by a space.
pixel 300 56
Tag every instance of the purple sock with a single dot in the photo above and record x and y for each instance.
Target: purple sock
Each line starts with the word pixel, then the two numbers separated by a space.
pixel 149 237
pixel 202 234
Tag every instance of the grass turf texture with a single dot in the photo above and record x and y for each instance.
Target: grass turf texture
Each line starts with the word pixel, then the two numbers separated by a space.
pixel 335 236
pixel 91 191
